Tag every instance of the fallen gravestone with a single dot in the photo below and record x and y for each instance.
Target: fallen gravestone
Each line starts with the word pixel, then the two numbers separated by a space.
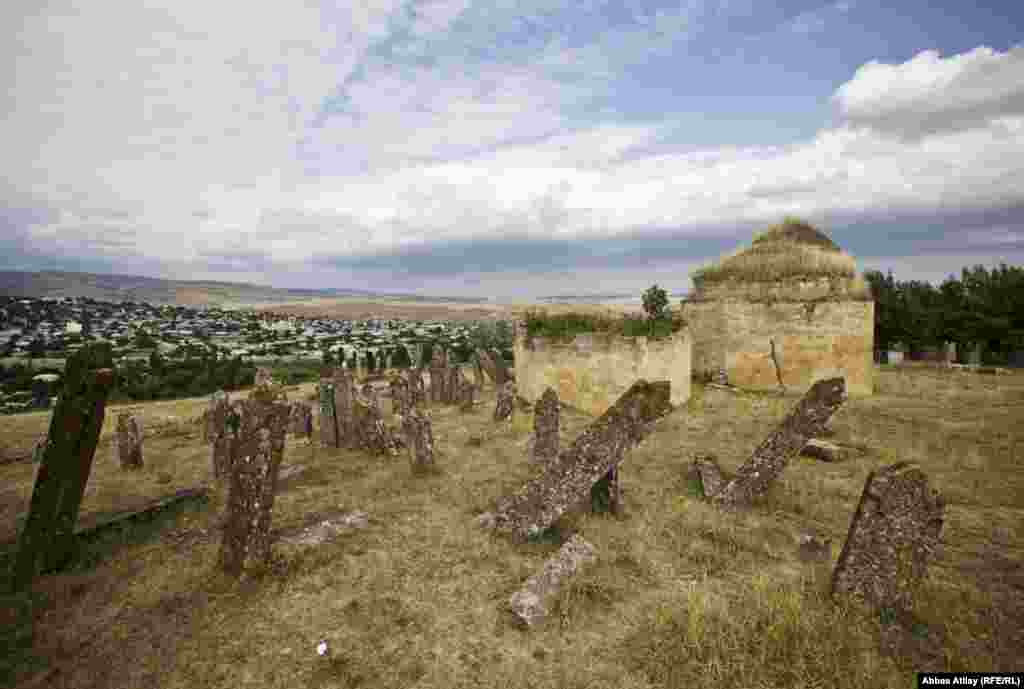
pixel 128 440
pixel 545 427
pixel 593 456
pixel 770 458
pixel 324 529
pixel 46 540
pixel 256 446
pixel 826 451
pixel 530 604
pixel 419 438
pixel 504 405
pixel 892 535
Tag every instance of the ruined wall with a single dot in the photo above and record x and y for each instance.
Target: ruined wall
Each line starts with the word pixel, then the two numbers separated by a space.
pixel 813 340
pixel 591 372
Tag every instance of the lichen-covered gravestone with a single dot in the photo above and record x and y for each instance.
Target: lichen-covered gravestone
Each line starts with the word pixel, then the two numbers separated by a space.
pixel 256 445
pixel 300 419
pixel 893 534
pixel 128 438
pixel 466 393
pixel 478 372
pixel 419 439
pixel 806 421
pixel 595 453
pixel 47 538
pixel 400 396
pixel 545 427
pixel 344 395
pixel 328 415
pixel 487 364
pixel 453 386
pixel 504 405
pixel 217 416
pixel 368 427
pixel 417 394
pixel 530 604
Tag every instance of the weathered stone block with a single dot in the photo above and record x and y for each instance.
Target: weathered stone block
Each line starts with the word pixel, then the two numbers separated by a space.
pixel 826 451
pixel 531 603
pixel 419 439
pixel 892 536
pixel 546 415
pixel 328 415
pixel 505 403
pixel 128 440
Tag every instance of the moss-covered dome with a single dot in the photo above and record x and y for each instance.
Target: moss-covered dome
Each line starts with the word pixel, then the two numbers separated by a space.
pixel 790 254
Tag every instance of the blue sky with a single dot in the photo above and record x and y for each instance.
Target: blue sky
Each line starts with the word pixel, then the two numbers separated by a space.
pixel 505 149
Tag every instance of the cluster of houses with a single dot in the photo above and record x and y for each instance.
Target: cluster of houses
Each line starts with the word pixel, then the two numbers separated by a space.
pixel 50 328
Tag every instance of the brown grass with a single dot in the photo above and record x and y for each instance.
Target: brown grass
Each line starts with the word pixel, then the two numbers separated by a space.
pixel 681 595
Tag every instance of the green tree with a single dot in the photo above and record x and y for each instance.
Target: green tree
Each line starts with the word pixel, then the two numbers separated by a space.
pixel 426 354
pixel 371 362
pixel 401 358
pixel 36 348
pixel 327 358
pixel 656 303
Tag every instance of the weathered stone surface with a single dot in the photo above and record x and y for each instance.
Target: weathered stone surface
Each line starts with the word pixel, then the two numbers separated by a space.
pixel 417 392
pixel 401 396
pixel 478 373
pixel 344 395
pixel 596 451
pixel 256 446
pixel 437 376
pixel 813 547
pixel 213 418
pixel 707 473
pixel 263 377
pixel 369 394
pixel 487 364
pixel 324 530
pixel 128 439
pixel 328 415
pixel 770 458
pixel 825 451
pixel 893 534
pixel 419 438
pixel 505 403
pixel 369 430
pixel 504 375
pixel 300 419
pixel 530 604
pixel 453 386
pixel 545 427
pixel 466 393
pixel 606 493
pixel 47 537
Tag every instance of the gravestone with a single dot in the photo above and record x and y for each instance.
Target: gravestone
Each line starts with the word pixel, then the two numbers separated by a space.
pixel 466 394
pixel 505 402
pixel 369 394
pixel 300 420
pixel 344 395
pixel 487 364
pixel 370 433
pixel 328 415
pixel 504 376
pixel 478 372
pixel 208 422
pixel 47 537
pixel 128 439
pixel 419 439
pixel 545 427
pixel 531 603
pixel 453 386
pixel 400 395
pixel 599 449
pixel 806 421
pixel 706 473
pixel 417 393
pixel 217 416
pixel 893 534
pixel 256 446
pixel 437 376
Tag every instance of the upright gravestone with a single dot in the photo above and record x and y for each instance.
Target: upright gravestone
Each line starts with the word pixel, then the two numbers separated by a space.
pixel 950 353
pixel 400 402
pixel 595 453
pixel 806 421
pixel 369 432
pixel 505 403
pixel 328 415
pixel 466 393
pixel 419 439
pixel 437 376
pixel 453 386
pixel 504 376
pixel 545 427
pixel 417 393
pixel 478 372
pixel 893 534
pixel 487 364
pixel 47 538
pixel 300 420
pixel 256 444
pixel 216 423
pixel 128 438
pixel 344 396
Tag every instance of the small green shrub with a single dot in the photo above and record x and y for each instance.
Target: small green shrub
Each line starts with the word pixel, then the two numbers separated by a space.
pixel 567 325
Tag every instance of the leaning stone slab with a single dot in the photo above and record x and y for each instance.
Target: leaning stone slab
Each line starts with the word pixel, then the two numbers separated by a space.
pixel 530 604
pixel 545 427
pixel 419 439
pixel 504 405
pixel 892 536
pixel 708 474
pixel 598 450
pixel 128 439
pixel 825 451
pixel 46 539
pixel 256 449
pixel 805 422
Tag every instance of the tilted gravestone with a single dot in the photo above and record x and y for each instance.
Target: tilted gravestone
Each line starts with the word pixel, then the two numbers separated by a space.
pixel 256 447
pixel 419 439
pixel 531 603
pixel 597 451
pixel 806 421
pixel 504 405
pixel 328 415
pixel 128 439
pixel 545 427
pixel 400 396
pixel 893 534
pixel 47 538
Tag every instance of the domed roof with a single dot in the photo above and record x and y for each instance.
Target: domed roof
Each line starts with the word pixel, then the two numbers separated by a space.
pixel 789 253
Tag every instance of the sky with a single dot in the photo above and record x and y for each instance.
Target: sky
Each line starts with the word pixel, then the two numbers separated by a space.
pixel 504 149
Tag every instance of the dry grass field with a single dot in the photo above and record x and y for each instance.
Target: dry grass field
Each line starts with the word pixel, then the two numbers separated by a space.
pixel 679 596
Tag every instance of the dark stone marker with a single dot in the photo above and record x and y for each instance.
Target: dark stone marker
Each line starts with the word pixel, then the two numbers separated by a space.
pixel 417 393
pixel 369 430
pixel 344 395
pixel 300 419
pixel 400 395
pixel 893 534
pixel 419 438
pixel 487 364
pixel 504 405
pixel 478 372
pixel 328 415
pixel 466 394
pixel 806 421
pixel 706 473
pixel 545 427
pixel 453 386
pixel 256 442
pixel 597 451
pixel 128 437
pixel 504 376
pixel 47 538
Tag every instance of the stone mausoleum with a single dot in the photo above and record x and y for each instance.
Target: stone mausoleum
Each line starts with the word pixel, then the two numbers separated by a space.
pixel 791 308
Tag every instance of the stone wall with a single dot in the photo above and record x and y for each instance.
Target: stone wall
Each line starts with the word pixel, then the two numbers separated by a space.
pixel 591 372
pixel 813 340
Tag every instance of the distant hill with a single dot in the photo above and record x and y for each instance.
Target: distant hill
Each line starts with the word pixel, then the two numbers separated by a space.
pixel 136 288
